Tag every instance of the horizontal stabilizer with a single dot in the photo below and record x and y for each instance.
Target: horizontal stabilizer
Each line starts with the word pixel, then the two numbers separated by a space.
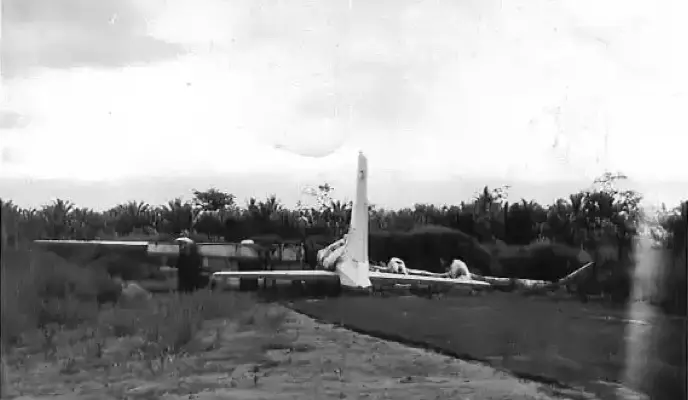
pixel 530 284
pixel 385 277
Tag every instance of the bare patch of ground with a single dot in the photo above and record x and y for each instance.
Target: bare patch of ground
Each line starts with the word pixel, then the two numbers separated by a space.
pixel 301 359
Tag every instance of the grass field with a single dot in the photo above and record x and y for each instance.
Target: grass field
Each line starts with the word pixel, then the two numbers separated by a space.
pixel 226 345
pixel 61 342
pixel 66 335
pixel 555 341
pixel 538 338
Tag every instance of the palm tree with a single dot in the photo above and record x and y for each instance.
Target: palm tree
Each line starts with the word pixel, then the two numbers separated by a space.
pixel 57 217
pixel 524 219
pixel 132 215
pixel 488 206
pixel 88 223
pixel 32 225
pixel 9 219
pixel 557 224
pixel 264 214
pixel 178 216
pixel 270 207
pixel 253 209
pixel 402 220
pixel 337 217
pixel 3 234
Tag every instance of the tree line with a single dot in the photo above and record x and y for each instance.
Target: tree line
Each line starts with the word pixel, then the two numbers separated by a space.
pixel 600 220
pixel 601 214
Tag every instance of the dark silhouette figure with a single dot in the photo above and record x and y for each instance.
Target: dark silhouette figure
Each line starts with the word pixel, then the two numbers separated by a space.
pixel 189 266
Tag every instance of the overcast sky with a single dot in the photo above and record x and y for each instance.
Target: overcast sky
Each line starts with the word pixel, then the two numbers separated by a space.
pixel 535 93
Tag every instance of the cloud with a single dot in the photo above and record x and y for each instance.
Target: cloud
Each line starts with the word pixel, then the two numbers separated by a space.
pixel 413 84
pixel 8 155
pixel 12 120
pixel 352 63
pixel 76 33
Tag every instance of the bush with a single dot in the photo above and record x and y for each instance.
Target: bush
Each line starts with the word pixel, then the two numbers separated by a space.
pixel 127 267
pixel 169 325
pixel 129 263
pixel 540 261
pixel 46 294
pixel 40 289
pixel 422 248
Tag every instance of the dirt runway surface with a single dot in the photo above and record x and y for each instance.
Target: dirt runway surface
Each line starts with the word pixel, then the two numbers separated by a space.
pixel 308 360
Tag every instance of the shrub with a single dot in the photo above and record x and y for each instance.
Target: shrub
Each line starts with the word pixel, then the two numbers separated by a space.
pixel 126 266
pixel 169 325
pixel 40 289
pixel 540 261
pixel 47 297
pixel 422 247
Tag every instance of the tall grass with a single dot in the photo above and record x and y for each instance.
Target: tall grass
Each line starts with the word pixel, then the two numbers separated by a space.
pixel 44 296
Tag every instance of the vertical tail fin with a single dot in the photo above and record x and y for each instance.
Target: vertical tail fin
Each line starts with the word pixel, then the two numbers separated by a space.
pixel 357 237
pixel 353 270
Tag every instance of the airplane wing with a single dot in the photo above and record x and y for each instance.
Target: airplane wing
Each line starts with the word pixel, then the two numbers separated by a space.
pixel 218 250
pixel 66 248
pixel 288 275
pixel 107 243
pixel 385 277
pixel 530 284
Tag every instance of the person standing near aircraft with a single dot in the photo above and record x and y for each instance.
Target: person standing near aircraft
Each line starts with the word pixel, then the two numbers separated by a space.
pixel 189 265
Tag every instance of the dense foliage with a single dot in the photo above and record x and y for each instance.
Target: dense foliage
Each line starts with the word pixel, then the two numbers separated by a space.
pixel 603 220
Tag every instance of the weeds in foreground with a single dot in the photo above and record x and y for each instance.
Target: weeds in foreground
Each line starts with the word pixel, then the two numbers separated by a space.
pixel 51 309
